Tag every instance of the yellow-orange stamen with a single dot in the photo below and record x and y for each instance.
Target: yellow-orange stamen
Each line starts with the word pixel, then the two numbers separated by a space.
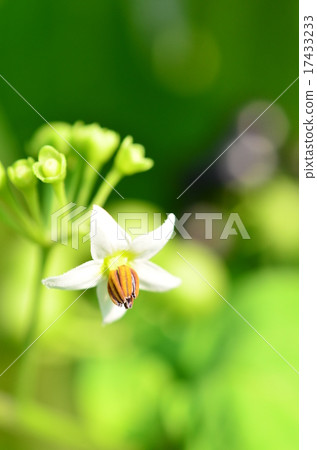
pixel 123 286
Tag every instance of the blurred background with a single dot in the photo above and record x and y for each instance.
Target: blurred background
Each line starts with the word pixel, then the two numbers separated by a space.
pixel 181 370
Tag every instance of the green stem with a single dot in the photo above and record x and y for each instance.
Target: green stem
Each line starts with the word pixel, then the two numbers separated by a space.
pixel 7 219
pixel 18 211
pixel 112 179
pixel 89 180
pixel 43 254
pixel 59 190
pixel 29 227
pixel 32 198
pixel 24 389
pixel 75 180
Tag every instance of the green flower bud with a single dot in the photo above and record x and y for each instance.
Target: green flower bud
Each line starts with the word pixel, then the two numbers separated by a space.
pixel 51 166
pixel 56 137
pixel 3 177
pixel 21 174
pixel 96 143
pixel 130 158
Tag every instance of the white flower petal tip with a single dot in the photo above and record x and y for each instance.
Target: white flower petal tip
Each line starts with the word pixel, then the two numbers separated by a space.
pixel 98 210
pixel 49 282
pixel 115 314
pixel 148 245
pixel 110 312
pixel 107 237
pixel 177 282
pixel 85 276
pixel 172 218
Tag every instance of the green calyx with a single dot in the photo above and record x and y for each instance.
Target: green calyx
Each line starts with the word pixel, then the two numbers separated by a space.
pixel 130 158
pixel 96 143
pixel 51 166
pixel 21 174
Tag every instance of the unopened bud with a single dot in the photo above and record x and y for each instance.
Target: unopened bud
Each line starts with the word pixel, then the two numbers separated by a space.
pixel 131 159
pixel 57 134
pixel 51 166
pixel 96 143
pixel 21 174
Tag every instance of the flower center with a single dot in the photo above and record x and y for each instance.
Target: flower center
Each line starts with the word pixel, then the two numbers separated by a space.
pixel 112 262
pixel 51 168
pixel 24 173
pixel 123 286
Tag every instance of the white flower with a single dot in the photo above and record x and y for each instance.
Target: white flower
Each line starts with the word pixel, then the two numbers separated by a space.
pixel 119 266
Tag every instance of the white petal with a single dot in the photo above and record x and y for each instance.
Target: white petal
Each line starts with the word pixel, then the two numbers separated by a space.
pixel 85 276
pixel 154 278
pixel 110 312
pixel 107 237
pixel 146 246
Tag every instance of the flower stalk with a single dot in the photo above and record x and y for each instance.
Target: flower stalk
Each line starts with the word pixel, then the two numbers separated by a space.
pixel 28 228
pixel 60 193
pixel 106 187
pixel 23 179
pixel 98 145
pixel 36 297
